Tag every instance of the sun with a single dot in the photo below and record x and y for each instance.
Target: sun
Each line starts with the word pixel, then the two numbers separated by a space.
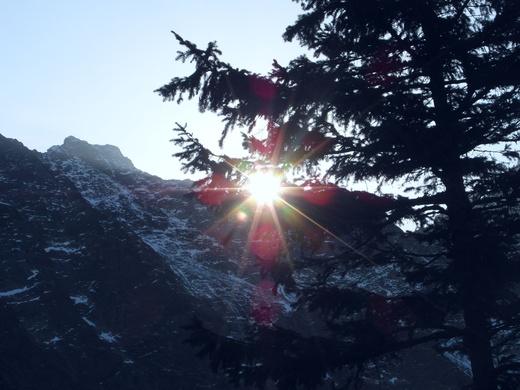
pixel 263 186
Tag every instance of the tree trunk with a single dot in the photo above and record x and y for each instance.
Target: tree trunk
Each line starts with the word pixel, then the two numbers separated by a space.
pixel 477 343
pixel 469 260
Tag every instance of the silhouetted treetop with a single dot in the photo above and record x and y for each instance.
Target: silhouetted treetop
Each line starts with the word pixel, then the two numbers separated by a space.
pixel 420 94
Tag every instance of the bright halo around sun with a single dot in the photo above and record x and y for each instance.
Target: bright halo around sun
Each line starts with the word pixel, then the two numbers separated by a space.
pixel 263 186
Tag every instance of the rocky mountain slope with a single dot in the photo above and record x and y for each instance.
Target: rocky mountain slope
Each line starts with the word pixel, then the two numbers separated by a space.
pixel 101 267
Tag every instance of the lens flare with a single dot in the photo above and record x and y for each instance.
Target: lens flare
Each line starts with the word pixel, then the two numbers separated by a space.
pixel 264 187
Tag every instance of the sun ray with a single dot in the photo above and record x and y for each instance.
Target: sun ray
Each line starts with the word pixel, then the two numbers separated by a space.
pixel 278 226
pixel 329 232
pixel 265 187
pixel 269 204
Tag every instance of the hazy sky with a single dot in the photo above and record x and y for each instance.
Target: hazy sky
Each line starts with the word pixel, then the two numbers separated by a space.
pixel 89 68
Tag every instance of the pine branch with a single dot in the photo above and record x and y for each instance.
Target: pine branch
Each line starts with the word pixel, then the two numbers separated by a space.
pixel 195 157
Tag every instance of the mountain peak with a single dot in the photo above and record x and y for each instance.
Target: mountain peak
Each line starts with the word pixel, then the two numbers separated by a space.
pixel 104 157
pixel 72 140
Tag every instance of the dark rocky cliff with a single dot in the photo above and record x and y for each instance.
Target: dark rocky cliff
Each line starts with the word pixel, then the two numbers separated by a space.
pixel 95 279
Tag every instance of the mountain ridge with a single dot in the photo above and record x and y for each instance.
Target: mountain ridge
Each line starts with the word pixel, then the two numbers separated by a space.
pixel 103 265
pixel 82 282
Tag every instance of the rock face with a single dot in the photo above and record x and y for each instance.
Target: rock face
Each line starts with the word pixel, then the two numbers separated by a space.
pixel 101 267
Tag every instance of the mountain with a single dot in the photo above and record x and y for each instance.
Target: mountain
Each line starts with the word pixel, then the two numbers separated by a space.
pixel 102 265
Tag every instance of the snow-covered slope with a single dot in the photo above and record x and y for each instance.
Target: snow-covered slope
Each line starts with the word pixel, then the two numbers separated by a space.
pixel 157 212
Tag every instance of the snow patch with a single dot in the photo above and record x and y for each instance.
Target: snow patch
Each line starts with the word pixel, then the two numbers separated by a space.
pixel 89 322
pixel 62 247
pixel 53 340
pixel 19 303
pixel 109 337
pixel 79 299
pixel 105 336
pixel 461 362
pixel 16 291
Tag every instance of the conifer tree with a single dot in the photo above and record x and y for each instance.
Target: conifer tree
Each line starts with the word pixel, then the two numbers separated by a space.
pixel 421 95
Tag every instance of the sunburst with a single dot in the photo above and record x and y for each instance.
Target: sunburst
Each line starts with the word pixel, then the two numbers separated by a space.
pixel 263 186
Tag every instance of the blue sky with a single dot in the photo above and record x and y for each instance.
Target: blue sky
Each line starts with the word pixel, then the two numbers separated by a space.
pixel 89 68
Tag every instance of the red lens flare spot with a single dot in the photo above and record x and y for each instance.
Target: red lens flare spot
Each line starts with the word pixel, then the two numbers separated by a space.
pixel 262 87
pixel 315 238
pixel 264 306
pixel 320 195
pixel 266 243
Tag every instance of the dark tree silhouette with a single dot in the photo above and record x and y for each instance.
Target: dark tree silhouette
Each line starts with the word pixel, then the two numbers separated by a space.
pixel 419 94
